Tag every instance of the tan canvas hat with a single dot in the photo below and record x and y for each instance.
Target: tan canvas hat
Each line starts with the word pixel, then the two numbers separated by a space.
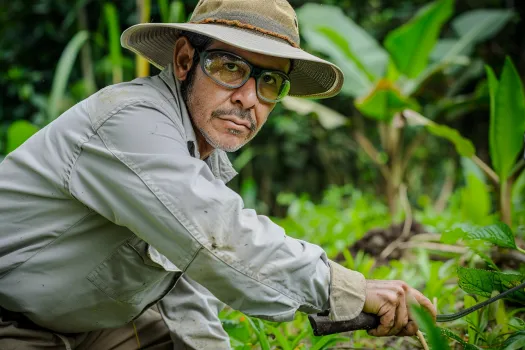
pixel 267 27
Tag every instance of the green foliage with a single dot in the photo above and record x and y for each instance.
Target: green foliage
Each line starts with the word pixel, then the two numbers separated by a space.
pixel 343 216
pixel 507 118
pixel 498 234
pixel 451 335
pixel 484 282
pixel 433 334
pixel 471 28
pixel 61 77
pixel 329 31
pixel 17 133
pixel 476 201
pixel 411 44
pixel 463 146
pixel 384 101
pixel 515 341
pixel 112 21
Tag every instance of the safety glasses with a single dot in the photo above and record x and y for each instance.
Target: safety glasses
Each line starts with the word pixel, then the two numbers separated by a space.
pixel 232 71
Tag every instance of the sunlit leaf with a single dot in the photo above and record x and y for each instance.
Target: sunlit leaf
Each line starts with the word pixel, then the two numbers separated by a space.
pixel 63 70
pixel 507 125
pixel 328 118
pixel 327 30
pixel 476 201
pixel 484 282
pixel 411 44
pixel 18 132
pixel 115 50
pixel 499 234
pixel 177 12
pixel 433 334
pixel 384 101
pixel 463 146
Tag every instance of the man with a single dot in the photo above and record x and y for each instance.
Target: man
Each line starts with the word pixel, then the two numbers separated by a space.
pixel 117 226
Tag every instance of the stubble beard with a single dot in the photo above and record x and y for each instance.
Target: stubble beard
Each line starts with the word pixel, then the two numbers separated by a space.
pixel 189 99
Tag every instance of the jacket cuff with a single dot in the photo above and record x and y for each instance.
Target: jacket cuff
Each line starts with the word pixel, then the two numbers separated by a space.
pixel 347 293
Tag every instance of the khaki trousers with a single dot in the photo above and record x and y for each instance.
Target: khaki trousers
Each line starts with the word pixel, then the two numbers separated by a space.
pixel 18 333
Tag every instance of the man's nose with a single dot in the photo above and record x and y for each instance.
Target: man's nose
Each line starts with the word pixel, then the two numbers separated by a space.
pixel 246 95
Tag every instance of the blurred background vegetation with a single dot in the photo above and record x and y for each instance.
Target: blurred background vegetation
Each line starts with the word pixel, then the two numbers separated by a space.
pixel 423 148
pixel 293 153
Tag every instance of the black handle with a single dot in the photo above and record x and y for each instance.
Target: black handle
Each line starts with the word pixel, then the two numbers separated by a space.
pixel 322 325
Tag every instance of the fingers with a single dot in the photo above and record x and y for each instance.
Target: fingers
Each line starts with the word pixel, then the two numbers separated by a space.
pixel 391 301
pixel 395 316
pixel 401 311
pixel 411 327
pixel 387 321
pixel 425 302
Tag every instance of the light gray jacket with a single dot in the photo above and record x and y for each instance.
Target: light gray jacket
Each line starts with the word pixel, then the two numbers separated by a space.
pixel 103 211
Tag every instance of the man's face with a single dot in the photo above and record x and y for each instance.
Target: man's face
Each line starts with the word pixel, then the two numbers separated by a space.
pixel 228 118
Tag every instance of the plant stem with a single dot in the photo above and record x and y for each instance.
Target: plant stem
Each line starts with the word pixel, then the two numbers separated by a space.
pixel 372 152
pixel 85 55
pixel 422 340
pixel 490 173
pixel 506 203
pixel 144 9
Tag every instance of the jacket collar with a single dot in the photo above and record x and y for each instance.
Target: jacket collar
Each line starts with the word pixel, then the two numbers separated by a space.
pixel 218 161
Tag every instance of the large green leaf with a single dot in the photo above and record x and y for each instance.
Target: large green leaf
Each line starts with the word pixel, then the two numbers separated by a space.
pixel 475 200
pixel 384 101
pixel 507 120
pixel 411 44
pixel 327 30
pixel 463 145
pixel 484 282
pixel 328 118
pixel 499 234
pixel 18 132
pixel 493 85
pixel 63 70
pixel 472 27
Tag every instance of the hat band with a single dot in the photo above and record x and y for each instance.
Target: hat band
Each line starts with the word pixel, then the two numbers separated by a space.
pixel 237 23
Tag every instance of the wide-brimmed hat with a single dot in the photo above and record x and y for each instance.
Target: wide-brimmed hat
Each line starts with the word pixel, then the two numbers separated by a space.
pixel 267 27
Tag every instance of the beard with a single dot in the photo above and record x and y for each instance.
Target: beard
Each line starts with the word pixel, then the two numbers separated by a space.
pixel 187 87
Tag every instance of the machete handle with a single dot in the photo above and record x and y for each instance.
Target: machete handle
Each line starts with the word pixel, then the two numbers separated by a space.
pixel 322 325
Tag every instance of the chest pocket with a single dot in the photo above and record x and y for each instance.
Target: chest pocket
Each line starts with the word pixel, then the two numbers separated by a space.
pixel 130 276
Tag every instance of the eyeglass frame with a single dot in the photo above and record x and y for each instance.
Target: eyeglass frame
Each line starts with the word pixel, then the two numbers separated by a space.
pixel 255 71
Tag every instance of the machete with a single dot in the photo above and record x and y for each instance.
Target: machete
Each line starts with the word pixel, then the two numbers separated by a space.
pixel 322 325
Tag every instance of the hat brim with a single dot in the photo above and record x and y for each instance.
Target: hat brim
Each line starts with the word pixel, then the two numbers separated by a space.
pixel 311 76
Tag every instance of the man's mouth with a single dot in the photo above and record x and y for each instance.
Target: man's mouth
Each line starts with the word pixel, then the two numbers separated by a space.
pixel 237 124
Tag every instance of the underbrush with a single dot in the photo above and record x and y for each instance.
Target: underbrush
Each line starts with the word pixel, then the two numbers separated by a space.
pixel 451 263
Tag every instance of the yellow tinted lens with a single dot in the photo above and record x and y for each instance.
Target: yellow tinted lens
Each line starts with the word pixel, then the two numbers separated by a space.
pixel 226 69
pixel 273 86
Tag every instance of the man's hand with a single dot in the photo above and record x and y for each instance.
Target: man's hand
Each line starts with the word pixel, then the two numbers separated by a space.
pixel 391 301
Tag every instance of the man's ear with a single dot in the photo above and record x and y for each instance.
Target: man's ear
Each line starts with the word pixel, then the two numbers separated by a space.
pixel 182 58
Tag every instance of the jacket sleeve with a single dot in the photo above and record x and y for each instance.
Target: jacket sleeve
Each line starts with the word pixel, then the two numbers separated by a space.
pixel 191 313
pixel 136 171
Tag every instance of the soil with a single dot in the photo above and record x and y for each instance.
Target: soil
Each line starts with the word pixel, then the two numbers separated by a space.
pixel 376 240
